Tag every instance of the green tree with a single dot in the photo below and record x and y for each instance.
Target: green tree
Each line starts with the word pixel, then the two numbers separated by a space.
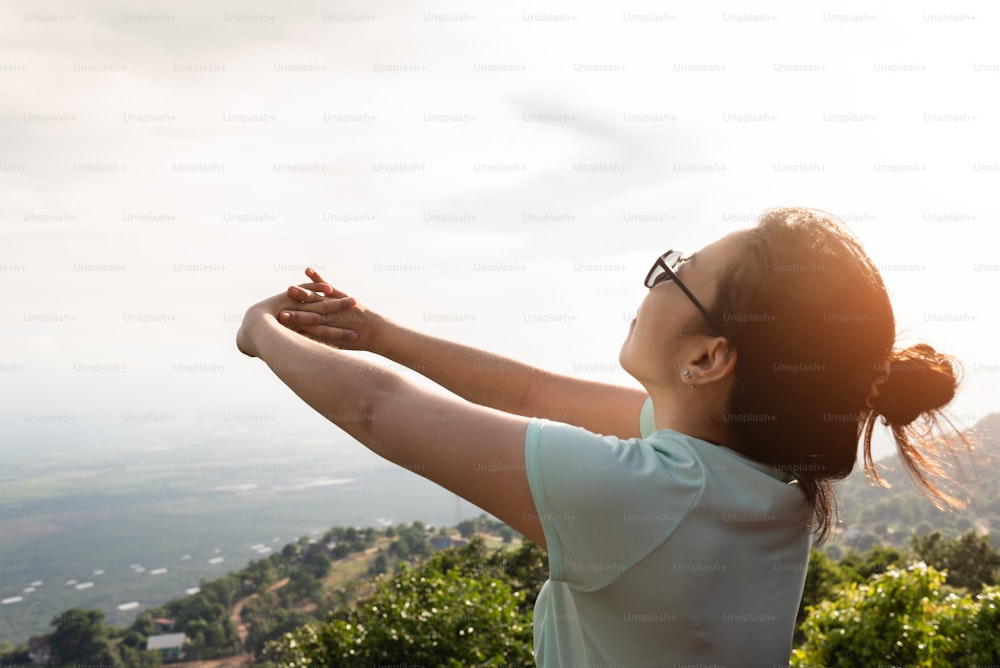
pixel 261 573
pixel 10 654
pixel 857 566
pixel 411 543
pixel 195 632
pixel 466 528
pixel 301 586
pixel 878 560
pixel 526 569
pixel 380 567
pixel 901 618
pixel 272 624
pixel 971 560
pixel 432 615
pixel 289 552
pixel 981 632
pixel 137 656
pixel 334 534
pixel 81 637
pixel 823 578
pixel 318 565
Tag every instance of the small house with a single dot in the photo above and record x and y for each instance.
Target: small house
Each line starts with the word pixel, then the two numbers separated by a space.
pixel 163 625
pixel 170 646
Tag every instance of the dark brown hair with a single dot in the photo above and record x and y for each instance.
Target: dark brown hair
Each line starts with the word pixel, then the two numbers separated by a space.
pixel 810 318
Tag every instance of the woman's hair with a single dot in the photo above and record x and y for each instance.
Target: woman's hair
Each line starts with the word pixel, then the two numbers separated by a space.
pixel 810 319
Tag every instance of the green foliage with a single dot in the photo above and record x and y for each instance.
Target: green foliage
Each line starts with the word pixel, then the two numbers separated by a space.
pixel 9 654
pixel 447 612
pixel 466 528
pixel 204 617
pixel 901 617
pixel 137 656
pixel 981 632
pixel 858 567
pixel 301 585
pixel 81 637
pixel 380 567
pixel 411 542
pixel 823 578
pixel 864 610
pixel 971 560
pixel 481 524
pixel 260 573
pixel 349 540
pixel 318 565
pixel 526 570
pixel 272 624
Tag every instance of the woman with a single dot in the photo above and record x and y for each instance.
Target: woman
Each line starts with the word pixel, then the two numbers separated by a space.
pixel 684 538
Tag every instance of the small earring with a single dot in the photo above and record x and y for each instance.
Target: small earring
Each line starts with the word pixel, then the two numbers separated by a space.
pixel 687 373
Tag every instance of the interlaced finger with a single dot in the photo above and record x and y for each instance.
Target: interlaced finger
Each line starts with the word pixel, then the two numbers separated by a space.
pixel 316 312
pixel 309 292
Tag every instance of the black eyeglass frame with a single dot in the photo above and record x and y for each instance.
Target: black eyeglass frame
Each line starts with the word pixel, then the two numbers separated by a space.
pixel 667 263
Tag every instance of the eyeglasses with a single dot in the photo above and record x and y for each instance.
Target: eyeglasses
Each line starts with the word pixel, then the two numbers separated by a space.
pixel 665 269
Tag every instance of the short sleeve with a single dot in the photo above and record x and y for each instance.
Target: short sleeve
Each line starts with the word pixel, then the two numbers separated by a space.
pixel 606 503
pixel 647 421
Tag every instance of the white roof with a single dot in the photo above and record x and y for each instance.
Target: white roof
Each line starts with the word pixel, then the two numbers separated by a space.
pixel 165 641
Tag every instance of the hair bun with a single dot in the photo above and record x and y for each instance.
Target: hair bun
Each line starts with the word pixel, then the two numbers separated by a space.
pixel 920 380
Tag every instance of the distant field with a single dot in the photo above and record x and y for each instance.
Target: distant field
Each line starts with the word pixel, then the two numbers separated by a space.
pixel 118 524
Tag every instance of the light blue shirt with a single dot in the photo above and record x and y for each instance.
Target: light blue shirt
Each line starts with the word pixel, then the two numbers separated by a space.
pixel 663 551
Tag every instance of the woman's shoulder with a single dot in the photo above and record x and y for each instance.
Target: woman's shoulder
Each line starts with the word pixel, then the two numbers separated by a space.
pixel 581 450
pixel 714 458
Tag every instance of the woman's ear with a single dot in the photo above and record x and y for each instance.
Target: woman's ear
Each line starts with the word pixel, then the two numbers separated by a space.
pixel 717 362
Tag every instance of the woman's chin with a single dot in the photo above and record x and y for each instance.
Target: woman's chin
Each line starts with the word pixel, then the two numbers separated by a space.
pixel 623 359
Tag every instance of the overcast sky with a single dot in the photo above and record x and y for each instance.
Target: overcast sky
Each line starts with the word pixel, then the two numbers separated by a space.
pixel 502 174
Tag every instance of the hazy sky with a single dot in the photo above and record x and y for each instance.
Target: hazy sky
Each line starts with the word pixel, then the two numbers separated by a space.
pixel 499 173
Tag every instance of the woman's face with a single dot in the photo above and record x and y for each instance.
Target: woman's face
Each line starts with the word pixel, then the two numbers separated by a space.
pixel 653 349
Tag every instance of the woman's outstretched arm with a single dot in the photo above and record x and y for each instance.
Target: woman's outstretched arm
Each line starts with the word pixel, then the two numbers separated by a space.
pixel 474 451
pixel 476 375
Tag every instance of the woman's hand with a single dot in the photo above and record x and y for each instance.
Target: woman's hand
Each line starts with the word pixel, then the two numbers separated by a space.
pixel 328 315
pixel 255 317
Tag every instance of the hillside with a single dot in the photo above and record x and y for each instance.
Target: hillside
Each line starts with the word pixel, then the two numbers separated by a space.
pixel 872 515
pixel 473 605
pixel 236 615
